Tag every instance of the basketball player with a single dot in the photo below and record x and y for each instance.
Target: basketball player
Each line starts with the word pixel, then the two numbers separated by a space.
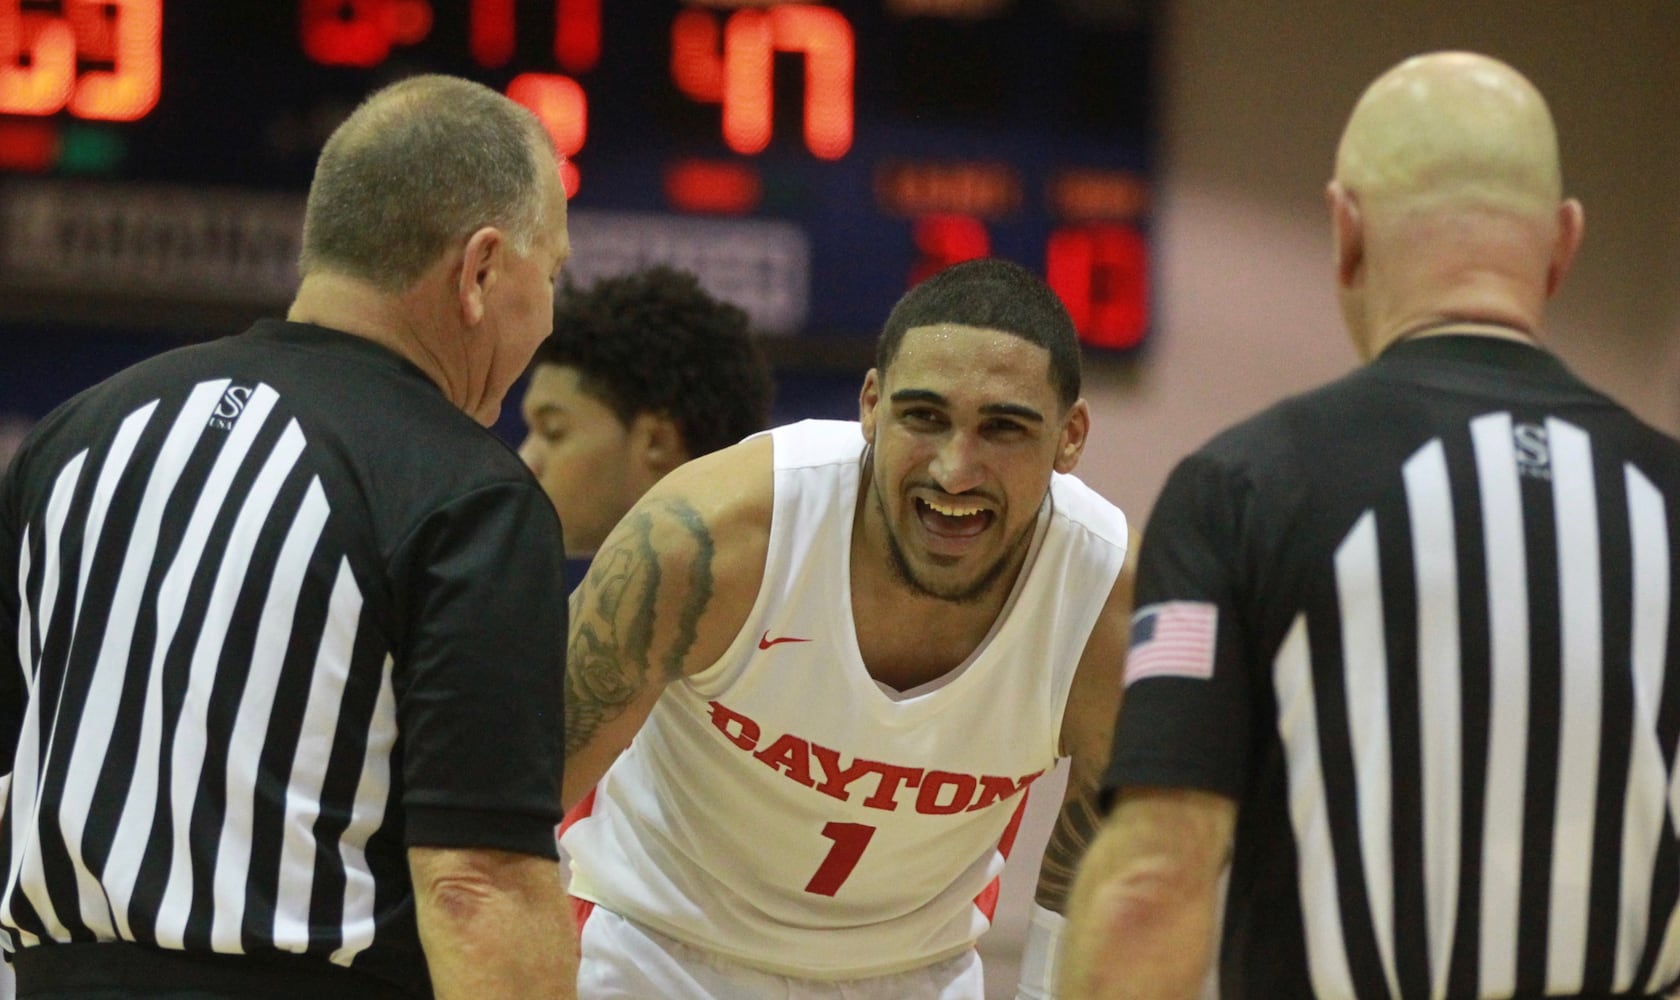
pixel 643 372
pixel 845 652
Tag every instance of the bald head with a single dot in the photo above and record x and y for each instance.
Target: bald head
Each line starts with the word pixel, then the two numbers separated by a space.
pixel 1447 205
pixel 1452 127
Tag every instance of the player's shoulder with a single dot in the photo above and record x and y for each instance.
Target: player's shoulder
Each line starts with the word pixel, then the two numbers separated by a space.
pixel 808 444
pixel 1076 501
pixel 706 527
pixel 729 490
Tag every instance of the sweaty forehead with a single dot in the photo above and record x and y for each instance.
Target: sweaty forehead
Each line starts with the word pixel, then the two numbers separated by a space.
pixel 952 357
pixel 963 337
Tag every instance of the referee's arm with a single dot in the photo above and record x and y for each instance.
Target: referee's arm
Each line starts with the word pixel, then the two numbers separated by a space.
pixel 480 709
pixel 489 923
pixel 1141 914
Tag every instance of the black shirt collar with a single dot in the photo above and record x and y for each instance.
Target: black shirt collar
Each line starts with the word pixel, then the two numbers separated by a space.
pixel 321 338
pixel 1476 349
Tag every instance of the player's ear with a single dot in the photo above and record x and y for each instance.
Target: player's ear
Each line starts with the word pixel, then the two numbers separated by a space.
pixel 658 442
pixel 1076 426
pixel 868 399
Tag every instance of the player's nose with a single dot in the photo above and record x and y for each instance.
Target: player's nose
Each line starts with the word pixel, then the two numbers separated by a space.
pixel 956 466
pixel 529 453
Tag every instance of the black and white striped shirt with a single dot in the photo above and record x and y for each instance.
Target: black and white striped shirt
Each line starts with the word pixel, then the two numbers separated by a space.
pixel 273 611
pixel 1446 686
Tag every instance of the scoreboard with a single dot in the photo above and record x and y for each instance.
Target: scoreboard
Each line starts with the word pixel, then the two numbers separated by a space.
pixel 808 160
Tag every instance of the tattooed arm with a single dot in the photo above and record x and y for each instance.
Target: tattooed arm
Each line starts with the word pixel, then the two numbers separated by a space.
pixel 664 597
pixel 1087 735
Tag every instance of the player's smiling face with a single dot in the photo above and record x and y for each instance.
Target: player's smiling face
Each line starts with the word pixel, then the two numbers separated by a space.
pixel 966 428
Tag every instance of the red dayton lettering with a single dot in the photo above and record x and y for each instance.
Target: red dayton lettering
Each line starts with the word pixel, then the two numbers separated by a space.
pixel 938 793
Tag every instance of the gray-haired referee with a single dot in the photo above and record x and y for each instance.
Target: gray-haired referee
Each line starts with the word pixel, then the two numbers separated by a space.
pixel 282 625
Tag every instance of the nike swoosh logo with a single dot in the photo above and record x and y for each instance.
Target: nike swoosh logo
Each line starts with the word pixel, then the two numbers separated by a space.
pixel 765 642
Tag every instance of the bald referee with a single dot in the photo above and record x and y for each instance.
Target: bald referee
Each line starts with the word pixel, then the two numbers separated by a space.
pixel 281 621
pixel 1404 652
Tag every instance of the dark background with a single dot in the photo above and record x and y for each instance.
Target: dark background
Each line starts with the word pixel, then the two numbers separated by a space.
pixel 1041 86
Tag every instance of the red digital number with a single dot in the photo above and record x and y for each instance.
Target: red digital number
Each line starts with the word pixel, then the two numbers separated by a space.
pixel 490 32
pixel 360 32
pixel 563 108
pixel 133 30
pixel 363 32
pixel 577 34
pixel 28 146
pixel 740 77
pixel 849 841
pixel 1101 272
pixel 39 53
pixel 696 63
pixel 943 240
pixel 37 61
pixel 717 187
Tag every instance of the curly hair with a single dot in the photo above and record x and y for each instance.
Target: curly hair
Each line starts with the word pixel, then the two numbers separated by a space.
pixel 653 341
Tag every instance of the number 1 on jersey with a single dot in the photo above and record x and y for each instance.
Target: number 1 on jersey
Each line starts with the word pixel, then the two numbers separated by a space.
pixel 849 841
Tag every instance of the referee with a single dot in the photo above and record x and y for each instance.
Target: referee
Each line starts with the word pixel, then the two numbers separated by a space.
pixel 283 625
pixel 1404 654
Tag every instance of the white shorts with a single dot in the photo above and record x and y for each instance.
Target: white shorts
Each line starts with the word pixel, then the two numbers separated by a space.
pixel 623 960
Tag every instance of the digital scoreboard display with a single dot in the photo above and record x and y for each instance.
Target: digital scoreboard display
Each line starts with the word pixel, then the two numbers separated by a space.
pixel 808 160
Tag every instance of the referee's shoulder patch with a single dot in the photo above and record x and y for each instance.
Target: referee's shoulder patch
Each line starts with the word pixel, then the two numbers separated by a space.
pixel 1173 639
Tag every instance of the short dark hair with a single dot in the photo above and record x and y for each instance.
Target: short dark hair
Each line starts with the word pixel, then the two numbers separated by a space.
pixel 418 165
pixel 992 294
pixel 653 341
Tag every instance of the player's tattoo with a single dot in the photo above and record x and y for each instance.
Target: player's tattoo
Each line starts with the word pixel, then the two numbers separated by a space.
pixel 611 655
pixel 698 595
pixel 1075 828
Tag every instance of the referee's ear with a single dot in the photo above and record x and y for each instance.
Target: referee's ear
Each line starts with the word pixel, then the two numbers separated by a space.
pixel 1571 226
pixel 481 259
pixel 1347 228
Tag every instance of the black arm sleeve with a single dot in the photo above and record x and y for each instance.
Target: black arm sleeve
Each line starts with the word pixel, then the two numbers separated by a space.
pixel 1178 729
pixel 13 691
pixel 479 672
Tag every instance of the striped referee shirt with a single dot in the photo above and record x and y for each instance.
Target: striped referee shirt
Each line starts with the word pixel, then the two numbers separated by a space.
pixel 1420 624
pixel 273 611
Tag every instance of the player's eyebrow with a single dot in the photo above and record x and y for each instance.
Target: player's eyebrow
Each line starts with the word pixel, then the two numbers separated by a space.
pixel 1017 410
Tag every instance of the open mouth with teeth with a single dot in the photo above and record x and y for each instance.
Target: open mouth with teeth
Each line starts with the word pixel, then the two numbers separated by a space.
pixel 952 521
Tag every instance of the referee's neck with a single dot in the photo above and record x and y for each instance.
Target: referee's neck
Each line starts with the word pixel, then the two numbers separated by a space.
pixel 409 323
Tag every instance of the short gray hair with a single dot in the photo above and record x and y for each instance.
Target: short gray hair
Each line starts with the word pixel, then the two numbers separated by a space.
pixel 419 165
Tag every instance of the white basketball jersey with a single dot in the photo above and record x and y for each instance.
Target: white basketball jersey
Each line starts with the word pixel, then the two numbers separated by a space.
pixel 785 810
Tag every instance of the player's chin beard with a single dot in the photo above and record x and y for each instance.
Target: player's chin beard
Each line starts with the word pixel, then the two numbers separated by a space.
pixel 906 574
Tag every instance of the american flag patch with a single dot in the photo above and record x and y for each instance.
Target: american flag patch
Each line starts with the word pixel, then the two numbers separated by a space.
pixel 1173 639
